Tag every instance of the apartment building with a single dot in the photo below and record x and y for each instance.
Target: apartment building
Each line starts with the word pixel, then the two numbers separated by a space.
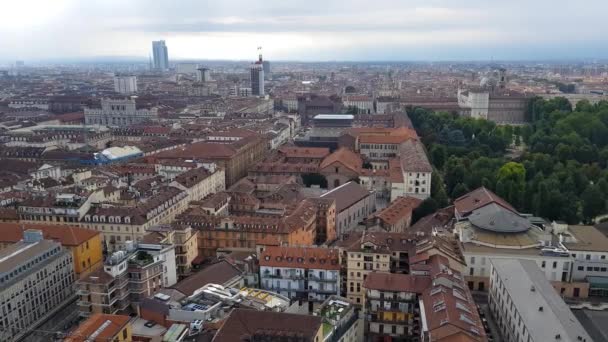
pixel 103 328
pixel 201 182
pixel 185 240
pixel 244 232
pixel 370 252
pixel 391 303
pixel 57 209
pixel 526 307
pixel 307 273
pixel 84 244
pixel 126 278
pixel 36 280
pixel 119 224
pixel 353 205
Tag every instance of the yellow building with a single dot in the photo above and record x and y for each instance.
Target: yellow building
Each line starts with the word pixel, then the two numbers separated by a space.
pixel 103 328
pixel 85 244
pixel 368 252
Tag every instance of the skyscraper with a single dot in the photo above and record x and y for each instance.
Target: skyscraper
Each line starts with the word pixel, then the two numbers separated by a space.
pixel 257 77
pixel 266 65
pixel 161 56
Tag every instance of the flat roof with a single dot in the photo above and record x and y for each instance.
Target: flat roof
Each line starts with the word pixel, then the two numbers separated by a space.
pixel 588 238
pixel 519 277
pixel 334 116
pixel 15 254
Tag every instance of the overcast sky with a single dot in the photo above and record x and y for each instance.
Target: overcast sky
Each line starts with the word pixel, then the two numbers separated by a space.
pixel 306 30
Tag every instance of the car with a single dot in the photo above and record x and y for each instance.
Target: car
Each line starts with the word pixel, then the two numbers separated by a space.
pixel 150 324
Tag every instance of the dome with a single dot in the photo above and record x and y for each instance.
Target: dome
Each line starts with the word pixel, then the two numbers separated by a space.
pixel 496 218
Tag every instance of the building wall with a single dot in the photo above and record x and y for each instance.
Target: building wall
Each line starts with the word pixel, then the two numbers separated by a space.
pixel 478 267
pixel 417 184
pixel 87 256
pixel 51 286
pixel 589 264
pixel 301 283
pixel 359 265
pixel 349 218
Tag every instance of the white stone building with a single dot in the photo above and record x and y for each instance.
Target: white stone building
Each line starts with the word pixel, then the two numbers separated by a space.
pixel 125 84
pixel 306 273
pixel 119 112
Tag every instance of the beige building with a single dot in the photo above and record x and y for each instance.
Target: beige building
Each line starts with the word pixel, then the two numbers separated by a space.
pixel 130 223
pixel 126 278
pixel 368 252
pixel 201 182
pixel 36 278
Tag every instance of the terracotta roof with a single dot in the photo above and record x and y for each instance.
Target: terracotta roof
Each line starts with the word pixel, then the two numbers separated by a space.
pixel 449 307
pixel 413 157
pixel 398 209
pixel 345 157
pixel 251 325
pixel 66 235
pixel 478 198
pixel 304 152
pixel 301 257
pixel 394 282
pixel 86 329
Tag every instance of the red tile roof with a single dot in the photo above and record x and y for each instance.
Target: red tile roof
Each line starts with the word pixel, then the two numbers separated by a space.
pixel 393 282
pixel 478 198
pixel 345 157
pixel 398 209
pixel 66 235
pixel 304 152
pixel 301 257
pixel 87 328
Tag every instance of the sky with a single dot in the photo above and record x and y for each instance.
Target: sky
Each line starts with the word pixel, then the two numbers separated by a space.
pixel 311 30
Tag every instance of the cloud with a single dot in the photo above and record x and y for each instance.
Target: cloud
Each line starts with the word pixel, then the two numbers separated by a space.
pixel 312 29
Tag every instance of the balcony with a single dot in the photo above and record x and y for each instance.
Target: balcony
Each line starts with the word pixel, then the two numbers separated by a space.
pixel 323 279
pixel 83 303
pixel 82 292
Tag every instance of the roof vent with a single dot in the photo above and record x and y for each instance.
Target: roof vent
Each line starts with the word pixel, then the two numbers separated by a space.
pixel 540 308
pixel 532 288
pixel 558 337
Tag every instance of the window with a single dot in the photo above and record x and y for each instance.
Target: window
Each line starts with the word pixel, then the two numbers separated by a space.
pixel 555 264
pixel 588 257
pixel 543 264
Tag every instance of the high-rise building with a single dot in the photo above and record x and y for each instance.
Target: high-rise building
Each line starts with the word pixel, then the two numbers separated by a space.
pixel 266 67
pixel 203 75
pixel 257 77
pixel 125 84
pixel 161 56
pixel 36 278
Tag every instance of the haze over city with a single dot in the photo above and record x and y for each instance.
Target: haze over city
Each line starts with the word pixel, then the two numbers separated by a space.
pixel 313 30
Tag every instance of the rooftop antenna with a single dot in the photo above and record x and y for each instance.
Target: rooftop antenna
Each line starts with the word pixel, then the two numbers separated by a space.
pixel 260 53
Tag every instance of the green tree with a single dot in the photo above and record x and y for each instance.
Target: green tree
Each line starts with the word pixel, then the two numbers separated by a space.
pixel 428 206
pixel 594 203
pixel 459 190
pixel 439 154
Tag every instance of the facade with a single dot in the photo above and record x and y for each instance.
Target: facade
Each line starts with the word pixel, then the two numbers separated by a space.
pixel 118 112
pixel 126 278
pixel 416 168
pixel 391 302
pixel 120 224
pixel 372 252
pixel 60 209
pixel 305 273
pixel 200 182
pixel 102 328
pixel 85 244
pixel 125 84
pixel 36 278
pixel 500 106
pixel 353 205
pixel 257 78
pixel 526 307
pixel 203 75
pixel 161 55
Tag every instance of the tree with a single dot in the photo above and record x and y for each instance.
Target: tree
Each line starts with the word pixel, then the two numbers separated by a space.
pixel 459 190
pixel 438 190
pixel 594 203
pixel 439 154
pixel 512 177
pixel 427 207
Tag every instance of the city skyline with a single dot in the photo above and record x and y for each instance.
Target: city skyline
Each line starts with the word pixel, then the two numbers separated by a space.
pixel 311 31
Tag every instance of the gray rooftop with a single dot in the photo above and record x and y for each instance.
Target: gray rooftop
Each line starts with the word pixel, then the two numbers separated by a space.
pixel 519 277
pixel 496 218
